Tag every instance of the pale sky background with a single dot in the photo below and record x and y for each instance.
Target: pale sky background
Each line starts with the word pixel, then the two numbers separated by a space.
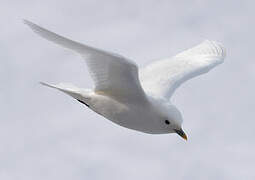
pixel 45 134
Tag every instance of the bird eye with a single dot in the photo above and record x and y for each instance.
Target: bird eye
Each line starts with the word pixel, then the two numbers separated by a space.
pixel 167 122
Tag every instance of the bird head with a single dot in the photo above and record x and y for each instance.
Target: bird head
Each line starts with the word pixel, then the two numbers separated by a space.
pixel 172 121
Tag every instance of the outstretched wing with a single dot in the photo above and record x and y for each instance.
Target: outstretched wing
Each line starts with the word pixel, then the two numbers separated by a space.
pixel 112 74
pixel 161 78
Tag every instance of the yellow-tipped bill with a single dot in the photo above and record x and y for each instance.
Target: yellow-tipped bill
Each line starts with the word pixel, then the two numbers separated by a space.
pixel 181 133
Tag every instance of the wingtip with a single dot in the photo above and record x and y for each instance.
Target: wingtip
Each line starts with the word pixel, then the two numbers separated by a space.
pixel 32 25
pixel 27 22
pixel 42 83
pixel 45 84
pixel 24 21
pixel 217 45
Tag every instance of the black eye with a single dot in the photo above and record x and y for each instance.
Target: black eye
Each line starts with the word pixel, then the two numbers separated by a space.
pixel 167 122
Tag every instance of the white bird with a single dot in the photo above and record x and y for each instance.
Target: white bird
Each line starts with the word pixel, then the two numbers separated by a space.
pixel 137 99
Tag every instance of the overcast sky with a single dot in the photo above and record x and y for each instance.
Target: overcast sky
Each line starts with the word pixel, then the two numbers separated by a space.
pixel 45 134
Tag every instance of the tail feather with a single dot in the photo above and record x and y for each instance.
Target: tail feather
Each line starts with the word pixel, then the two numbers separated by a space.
pixel 71 90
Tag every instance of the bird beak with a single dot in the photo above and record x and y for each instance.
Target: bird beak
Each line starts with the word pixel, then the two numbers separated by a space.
pixel 181 133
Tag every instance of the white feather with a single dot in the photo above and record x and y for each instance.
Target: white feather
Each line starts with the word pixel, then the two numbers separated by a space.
pixel 112 74
pixel 162 77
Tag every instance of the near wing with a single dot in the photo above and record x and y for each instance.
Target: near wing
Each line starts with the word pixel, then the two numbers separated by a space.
pixel 161 78
pixel 112 74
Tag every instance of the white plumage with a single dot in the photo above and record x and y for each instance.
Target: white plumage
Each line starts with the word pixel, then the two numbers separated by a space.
pixel 137 99
pixel 162 77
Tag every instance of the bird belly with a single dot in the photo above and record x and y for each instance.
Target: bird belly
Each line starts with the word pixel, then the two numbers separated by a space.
pixel 133 116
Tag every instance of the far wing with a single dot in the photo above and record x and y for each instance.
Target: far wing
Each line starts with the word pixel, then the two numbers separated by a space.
pixel 112 74
pixel 161 78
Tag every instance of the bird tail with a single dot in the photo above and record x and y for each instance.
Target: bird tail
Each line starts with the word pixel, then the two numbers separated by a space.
pixel 82 95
